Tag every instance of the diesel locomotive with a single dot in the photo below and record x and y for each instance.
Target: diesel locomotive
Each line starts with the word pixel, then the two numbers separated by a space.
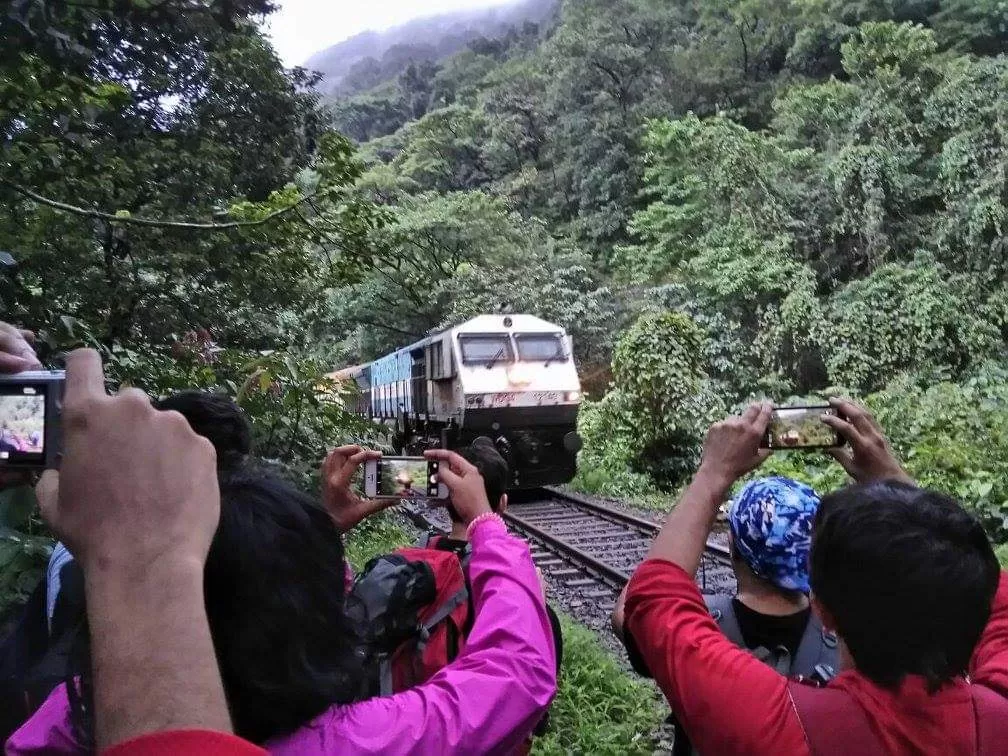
pixel 510 378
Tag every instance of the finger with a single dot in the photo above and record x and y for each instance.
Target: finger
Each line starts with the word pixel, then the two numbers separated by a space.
pixel 762 456
pixel 855 414
pixel 349 466
pixel 84 376
pixel 10 363
pixel 765 416
pixel 456 462
pixel 449 477
pixel 845 458
pixel 346 451
pixel 47 493
pixel 845 429
pixel 752 412
pixel 28 336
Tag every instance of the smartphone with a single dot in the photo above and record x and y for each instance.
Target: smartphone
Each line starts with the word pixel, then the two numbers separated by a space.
pixel 802 428
pixel 403 478
pixel 30 428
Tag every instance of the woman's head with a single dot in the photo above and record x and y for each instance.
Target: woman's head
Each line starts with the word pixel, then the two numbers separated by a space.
pixel 274 587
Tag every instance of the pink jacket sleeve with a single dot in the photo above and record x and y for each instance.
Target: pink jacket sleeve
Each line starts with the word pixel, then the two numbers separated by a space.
pixel 488 700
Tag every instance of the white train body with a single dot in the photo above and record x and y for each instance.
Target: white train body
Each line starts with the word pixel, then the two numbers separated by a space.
pixel 511 378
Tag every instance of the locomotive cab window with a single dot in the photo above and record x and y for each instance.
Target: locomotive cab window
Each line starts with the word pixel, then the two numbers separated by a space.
pixel 541 347
pixel 487 350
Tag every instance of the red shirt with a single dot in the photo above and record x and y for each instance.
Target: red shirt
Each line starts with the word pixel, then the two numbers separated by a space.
pixel 731 703
pixel 185 743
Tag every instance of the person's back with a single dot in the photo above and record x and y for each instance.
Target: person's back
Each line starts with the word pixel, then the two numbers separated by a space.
pixel 906 579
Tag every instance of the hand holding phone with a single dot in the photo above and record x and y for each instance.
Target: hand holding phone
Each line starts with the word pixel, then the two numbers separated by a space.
pixel 802 428
pixel 403 478
pixel 869 456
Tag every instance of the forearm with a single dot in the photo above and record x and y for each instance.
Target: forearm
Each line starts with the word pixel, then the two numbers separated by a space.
pixel 153 670
pixel 684 535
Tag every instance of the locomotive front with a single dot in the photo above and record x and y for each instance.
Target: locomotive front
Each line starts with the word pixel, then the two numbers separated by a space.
pixel 518 386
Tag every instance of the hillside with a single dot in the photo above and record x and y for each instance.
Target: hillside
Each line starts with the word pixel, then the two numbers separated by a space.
pixel 370 58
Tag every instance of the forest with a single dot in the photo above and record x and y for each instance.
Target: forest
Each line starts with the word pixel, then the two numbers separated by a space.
pixel 720 200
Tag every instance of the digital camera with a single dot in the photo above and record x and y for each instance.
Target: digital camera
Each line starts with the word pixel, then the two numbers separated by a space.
pixel 31 406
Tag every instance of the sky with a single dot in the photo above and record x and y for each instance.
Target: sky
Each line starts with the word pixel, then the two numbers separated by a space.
pixel 303 27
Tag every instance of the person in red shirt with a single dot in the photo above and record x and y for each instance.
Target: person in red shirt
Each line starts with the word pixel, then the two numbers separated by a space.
pixel 906 579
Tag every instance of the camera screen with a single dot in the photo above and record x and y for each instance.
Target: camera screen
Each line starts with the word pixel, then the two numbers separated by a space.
pixel 407 478
pixel 801 427
pixel 22 424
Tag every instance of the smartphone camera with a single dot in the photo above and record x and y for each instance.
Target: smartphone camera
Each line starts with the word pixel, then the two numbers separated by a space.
pixel 30 429
pixel 403 478
pixel 802 428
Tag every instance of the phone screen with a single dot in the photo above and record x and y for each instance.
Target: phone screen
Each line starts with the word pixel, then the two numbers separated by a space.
pixel 407 478
pixel 802 428
pixel 22 424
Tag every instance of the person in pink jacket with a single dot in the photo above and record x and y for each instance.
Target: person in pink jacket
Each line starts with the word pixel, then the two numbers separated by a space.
pixel 487 701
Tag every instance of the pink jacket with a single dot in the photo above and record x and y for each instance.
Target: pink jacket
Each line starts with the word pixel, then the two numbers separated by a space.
pixel 487 701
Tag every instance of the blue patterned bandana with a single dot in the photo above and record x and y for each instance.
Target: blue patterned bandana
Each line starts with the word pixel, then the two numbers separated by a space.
pixel 771 523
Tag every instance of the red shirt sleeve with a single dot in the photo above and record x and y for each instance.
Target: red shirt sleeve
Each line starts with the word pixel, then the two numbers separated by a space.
pixel 727 700
pixel 989 665
pixel 185 743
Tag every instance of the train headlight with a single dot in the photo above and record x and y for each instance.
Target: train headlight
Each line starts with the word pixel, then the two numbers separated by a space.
pixel 573 396
pixel 519 374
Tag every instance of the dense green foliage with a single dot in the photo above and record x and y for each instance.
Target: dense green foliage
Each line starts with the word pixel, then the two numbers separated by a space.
pixel 599 708
pixel 720 201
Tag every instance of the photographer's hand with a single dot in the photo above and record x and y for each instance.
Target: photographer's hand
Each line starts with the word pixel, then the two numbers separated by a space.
pixel 464 482
pixel 869 457
pixel 731 450
pixel 346 507
pixel 16 352
pixel 732 447
pixel 137 502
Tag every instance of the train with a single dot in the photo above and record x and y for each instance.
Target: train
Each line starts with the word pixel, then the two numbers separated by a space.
pixel 509 378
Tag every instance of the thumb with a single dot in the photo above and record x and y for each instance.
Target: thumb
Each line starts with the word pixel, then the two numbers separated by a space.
pixel 47 494
pixel 763 455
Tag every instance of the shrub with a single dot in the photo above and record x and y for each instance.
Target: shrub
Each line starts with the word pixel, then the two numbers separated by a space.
pixel 900 318
pixel 599 708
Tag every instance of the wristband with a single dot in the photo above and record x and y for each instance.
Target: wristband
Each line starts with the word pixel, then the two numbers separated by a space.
pixel 482 518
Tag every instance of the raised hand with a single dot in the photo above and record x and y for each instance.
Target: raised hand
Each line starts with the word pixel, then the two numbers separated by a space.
pixel 137 502
pixel 345 506
pixel 732 447
pixel 465 484
pixel 869 456
pixel 136 485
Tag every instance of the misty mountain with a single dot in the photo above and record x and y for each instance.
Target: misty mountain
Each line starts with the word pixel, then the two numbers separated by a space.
pixel 370 58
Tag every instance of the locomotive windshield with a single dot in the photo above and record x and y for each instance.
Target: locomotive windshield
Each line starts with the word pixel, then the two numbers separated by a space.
pixel 541 347
pixel 487 350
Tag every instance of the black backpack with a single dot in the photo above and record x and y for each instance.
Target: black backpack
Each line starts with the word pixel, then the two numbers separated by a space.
pixel 817 656
pixel 33 658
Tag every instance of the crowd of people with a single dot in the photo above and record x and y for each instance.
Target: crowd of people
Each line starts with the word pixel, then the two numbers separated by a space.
pixel 207 600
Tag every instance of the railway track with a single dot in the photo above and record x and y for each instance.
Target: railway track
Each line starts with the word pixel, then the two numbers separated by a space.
pixel 589 550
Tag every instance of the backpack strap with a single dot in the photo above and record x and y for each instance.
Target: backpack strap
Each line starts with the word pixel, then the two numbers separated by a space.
pixel 723 612
pixel 817 648
pixel 821 709
pixel 449 606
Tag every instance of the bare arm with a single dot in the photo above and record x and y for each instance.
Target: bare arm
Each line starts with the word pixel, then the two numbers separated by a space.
pixel 732 449
pixel 137 503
